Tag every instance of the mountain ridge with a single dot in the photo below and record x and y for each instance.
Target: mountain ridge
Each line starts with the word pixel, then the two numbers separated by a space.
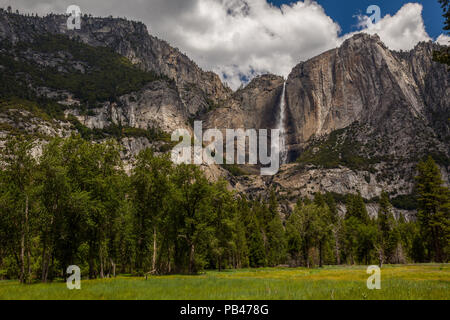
pixel 360 116
pixel 130 39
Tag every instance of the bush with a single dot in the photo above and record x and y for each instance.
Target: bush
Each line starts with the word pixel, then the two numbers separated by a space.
pixel 405 202
pixel 338 149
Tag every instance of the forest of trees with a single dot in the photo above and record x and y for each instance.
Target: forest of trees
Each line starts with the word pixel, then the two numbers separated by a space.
pixel 73 204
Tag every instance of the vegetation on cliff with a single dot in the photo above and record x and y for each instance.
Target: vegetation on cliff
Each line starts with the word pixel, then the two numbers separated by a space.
pixel 92 74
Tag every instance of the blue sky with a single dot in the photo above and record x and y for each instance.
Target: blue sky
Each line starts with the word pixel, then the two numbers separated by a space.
pixel 342 11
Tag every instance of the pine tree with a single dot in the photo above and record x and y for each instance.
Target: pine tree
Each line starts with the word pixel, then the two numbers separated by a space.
pixel 240 243
pixel 305 231
pixel 223 223
pixel 319 200
pixel 324 227
pixel 445 4
pixel 277 242
pixel 388 237
pixel 274 232
pixel 367 235
pixel 257 253
pixel 359 231
pixel 336 221
pixel 357 208
pixel 434 210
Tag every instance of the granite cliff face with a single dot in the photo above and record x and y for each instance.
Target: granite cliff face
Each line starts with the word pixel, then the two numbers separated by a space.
pixel 398 96
pixel 400 100
pixel 253 107
pixel 358 118
pixel 368 109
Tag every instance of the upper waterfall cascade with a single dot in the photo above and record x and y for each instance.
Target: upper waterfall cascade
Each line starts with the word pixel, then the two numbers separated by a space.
pixel 282 126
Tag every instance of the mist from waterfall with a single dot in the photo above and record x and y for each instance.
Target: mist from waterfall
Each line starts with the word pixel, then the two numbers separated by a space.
pixel 282 127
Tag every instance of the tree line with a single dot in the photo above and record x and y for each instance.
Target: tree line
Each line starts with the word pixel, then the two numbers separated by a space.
pixel 73 204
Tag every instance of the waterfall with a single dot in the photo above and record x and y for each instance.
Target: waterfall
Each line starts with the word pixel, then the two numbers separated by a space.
pixel 282 127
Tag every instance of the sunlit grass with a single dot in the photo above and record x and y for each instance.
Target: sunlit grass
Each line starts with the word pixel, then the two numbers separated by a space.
pixel 342 283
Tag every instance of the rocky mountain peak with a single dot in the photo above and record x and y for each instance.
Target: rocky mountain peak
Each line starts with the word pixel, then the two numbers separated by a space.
pixel 362 81
pixel 198 89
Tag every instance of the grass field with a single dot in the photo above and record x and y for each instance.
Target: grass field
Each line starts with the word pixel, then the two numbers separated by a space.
pixel 340 283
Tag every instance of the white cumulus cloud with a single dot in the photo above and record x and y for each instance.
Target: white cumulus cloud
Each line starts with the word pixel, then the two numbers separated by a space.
pixel 444 40
pixel 239 39
pixel 401 31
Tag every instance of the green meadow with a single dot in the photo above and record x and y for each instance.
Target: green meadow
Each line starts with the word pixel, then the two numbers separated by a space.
pixel 417 282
